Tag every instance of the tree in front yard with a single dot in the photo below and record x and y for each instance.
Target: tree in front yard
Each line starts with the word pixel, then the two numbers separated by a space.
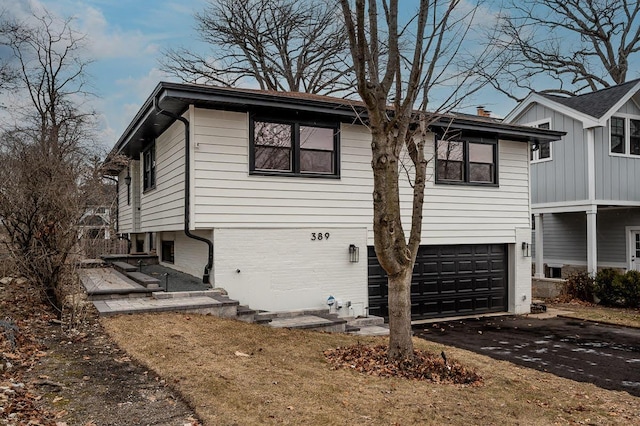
pixel 398 65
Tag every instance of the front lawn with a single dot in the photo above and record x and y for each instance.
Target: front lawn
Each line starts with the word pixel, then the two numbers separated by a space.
pixel 237 373
pixel 619 316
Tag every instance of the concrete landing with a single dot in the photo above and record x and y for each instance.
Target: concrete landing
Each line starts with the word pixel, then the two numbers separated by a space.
pixel 198 304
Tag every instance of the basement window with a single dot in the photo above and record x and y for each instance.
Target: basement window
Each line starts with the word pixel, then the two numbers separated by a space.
pixel 167 254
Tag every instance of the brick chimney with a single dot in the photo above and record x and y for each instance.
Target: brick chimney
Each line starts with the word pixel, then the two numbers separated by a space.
pixel 483 112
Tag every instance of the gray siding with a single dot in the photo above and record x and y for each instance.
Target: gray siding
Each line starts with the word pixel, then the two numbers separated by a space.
pixel 564 178
pixel 565 236
pixel 616 176
pixel 612 235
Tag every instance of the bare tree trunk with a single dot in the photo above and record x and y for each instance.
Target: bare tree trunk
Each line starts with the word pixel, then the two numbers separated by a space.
pixel 390 243
pixel 400 343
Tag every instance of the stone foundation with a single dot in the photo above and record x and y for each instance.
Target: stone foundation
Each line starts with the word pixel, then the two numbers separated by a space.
pixel 546 288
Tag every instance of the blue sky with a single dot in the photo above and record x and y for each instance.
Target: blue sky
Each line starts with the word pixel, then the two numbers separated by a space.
pixel 126 39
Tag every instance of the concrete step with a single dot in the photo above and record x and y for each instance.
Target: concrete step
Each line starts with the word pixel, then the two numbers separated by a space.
pixel 310 322
pixel 120 294
pixel 291 314
pixel 372 330
pixel 183 294
pixel 246 314
pixel 365 321
pixel 144 280
pixel 198 304
pixel 124 267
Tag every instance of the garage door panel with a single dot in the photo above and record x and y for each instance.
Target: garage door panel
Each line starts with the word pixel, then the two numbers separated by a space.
pixel 448 281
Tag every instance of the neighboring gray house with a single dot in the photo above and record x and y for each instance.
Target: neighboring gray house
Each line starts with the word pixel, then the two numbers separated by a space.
pixel 585 189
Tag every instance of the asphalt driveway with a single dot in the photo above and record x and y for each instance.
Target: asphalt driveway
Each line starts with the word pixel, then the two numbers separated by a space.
pixel 607 356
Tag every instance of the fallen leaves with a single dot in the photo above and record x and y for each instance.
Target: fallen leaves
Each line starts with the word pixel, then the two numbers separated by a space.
pixel 424 366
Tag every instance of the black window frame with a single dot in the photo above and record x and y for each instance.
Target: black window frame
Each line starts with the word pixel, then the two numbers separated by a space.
pixel 537 149
pixel 622 136
pixel 295 146
pixel 466 140
pixel 149 176
pixel 167 251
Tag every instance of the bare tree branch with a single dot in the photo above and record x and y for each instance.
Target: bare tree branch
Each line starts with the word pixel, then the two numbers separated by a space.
pixel 43 181
pixel 581 44
pixel 283 45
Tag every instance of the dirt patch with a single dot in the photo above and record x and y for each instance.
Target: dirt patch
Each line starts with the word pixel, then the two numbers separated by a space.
pixel 74 376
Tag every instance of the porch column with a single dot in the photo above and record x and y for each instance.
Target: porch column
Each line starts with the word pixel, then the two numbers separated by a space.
pixel 592 242
pixel 537 218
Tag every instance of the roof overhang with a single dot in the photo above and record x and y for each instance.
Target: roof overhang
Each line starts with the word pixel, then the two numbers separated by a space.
pixel 176 98
pixel 533 98
pixel 588 121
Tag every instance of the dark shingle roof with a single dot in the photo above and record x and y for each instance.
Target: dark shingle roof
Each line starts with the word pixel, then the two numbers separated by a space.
pixel 595 104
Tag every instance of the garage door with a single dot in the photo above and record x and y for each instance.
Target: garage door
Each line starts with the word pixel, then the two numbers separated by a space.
pixel 448 281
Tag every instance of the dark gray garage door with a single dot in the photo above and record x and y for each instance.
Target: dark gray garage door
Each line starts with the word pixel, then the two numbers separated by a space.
pixel 448 281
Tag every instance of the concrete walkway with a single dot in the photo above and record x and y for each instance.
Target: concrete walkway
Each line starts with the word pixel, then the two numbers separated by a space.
pixel 113 293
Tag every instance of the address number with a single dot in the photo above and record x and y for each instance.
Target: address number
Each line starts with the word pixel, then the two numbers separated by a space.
pixel 319 236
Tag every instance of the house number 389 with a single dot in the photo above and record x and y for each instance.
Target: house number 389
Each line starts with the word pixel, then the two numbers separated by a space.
pixel 319 236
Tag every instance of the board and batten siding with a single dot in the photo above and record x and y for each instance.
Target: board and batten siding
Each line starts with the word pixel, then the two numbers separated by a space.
pixel 617 176
pixel 162 208
pixel 564 177
pixel 227 196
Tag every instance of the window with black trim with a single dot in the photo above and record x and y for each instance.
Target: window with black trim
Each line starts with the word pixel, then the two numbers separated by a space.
pixel 167 249
pixel 625 136
pixel 542 150
pixel 467 161
pixel 149 167
pixel 296 148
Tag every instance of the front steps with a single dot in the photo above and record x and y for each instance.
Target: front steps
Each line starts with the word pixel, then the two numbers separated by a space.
pixel 323 320
pixel 118 290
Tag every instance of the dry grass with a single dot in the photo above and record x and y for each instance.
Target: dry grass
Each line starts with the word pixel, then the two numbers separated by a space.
pixel 286 380
pixel 619 316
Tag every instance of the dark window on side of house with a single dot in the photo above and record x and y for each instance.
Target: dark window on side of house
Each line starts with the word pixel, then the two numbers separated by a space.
pixel 149 168
pixel 294 148
pixel 617 135
pixel 634 137
pixel 472 161
pixel 542 150
pixel 167 254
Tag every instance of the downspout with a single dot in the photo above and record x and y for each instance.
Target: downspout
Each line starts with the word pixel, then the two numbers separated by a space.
pixel 187 196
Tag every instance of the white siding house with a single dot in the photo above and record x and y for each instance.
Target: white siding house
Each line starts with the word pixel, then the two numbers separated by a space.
pixel 282 225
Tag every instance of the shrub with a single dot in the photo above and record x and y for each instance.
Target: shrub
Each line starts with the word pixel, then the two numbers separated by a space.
pixel 629 284
pixel 579 285
pixel 608 287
